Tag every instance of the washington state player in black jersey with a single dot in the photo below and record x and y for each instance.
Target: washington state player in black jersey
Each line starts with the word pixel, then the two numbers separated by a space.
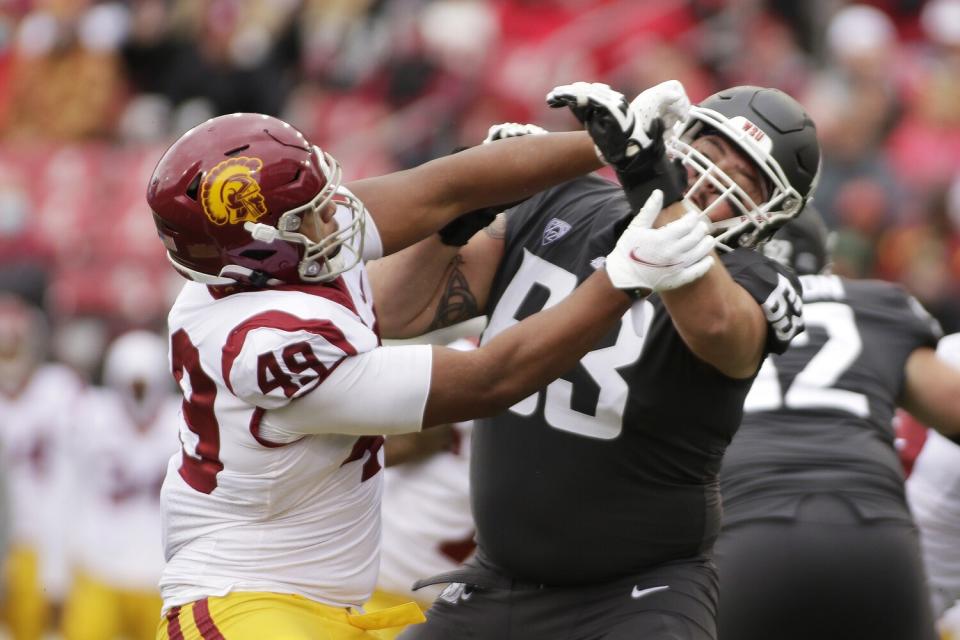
pixel 596 499
pixel 817 540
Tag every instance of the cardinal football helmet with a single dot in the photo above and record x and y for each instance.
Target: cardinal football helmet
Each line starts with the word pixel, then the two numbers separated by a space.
pixel 230 195
pixel 773 131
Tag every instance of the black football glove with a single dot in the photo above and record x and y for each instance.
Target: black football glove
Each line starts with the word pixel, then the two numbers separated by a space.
pixel 630 137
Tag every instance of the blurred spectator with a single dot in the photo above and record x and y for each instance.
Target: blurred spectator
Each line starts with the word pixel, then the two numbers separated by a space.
pixel 925 149
pixel 924 254
pixel 190 61
pixel 856 100
pixel 863 210
pixel 748 32
pixel 65 78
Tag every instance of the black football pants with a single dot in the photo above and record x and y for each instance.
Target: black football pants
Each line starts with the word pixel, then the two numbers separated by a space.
pixel 826 575
pixel 675 601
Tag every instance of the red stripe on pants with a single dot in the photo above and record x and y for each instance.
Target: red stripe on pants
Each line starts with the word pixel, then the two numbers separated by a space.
pixel 205 624
pixel 173 624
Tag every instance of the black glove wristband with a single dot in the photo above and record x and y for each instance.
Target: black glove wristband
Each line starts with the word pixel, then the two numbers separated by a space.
pixel 651 169
pixel 663 174
pixel 458 231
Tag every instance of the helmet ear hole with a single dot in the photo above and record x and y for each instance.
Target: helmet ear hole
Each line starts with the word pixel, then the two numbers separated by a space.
pixel 258 254
pixel 193 189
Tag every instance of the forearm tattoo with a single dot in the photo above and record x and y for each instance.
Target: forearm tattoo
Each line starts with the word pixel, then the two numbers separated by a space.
pixel 498 228
pixel 457 302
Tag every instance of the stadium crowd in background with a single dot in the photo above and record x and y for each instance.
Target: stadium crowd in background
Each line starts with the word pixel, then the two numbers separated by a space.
pixel 91 92
pixel 94 91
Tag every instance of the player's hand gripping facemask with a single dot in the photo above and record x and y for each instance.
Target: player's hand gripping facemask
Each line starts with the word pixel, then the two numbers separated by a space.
pixel 620 130
pixel 630 136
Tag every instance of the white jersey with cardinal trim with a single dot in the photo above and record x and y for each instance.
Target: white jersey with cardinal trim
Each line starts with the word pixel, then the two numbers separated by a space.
pixel 248 507
pixel 119 466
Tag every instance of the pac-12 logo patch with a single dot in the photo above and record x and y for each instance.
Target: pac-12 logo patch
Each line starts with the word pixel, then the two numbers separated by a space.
pixel 230 193
pixel 555 230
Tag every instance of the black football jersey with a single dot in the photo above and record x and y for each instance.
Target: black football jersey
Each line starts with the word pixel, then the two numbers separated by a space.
pixel 820 416
pixel 611 468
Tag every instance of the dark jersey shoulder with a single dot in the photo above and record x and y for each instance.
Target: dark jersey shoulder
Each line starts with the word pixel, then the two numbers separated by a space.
pixel 613 467
pixel 775 288
pixel 894 304
pixel 819 417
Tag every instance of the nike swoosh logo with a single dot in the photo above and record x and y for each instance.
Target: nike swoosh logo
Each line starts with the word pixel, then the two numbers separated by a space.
pixel 639 259
pixel 636 594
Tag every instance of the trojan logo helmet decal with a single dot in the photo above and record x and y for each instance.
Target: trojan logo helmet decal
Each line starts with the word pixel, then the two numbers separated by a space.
pixel 230 193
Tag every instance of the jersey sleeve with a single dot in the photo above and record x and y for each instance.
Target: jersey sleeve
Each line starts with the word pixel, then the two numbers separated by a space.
pixel 274 357
pixel 380 392
pixel 775 288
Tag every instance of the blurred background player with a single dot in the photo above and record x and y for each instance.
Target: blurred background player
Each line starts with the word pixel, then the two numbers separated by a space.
pixel 932 464
pixel 817 539
pixel 122 437
pixel 427 524
pixel 595 498
pixel 37 404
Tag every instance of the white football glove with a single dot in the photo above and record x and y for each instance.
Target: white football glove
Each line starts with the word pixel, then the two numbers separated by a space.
pixel 667 101
pixel 512 130
pixel 647 259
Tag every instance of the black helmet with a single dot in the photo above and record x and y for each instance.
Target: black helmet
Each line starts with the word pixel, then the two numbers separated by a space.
pixel 774 131
pixel 803 244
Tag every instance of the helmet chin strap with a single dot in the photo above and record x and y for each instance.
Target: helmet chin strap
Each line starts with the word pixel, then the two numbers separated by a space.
pixel 262 232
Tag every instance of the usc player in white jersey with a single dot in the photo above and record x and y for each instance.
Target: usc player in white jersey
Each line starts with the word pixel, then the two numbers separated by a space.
pixel 272 509
pixel 932 464
pixel 37 401
pixel 124 435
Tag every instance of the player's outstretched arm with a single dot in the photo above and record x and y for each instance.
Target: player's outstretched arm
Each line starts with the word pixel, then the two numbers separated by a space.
pixel 631 136
pixel 720 322
pixel 931 391
pixel 446 278
pixel 410 205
